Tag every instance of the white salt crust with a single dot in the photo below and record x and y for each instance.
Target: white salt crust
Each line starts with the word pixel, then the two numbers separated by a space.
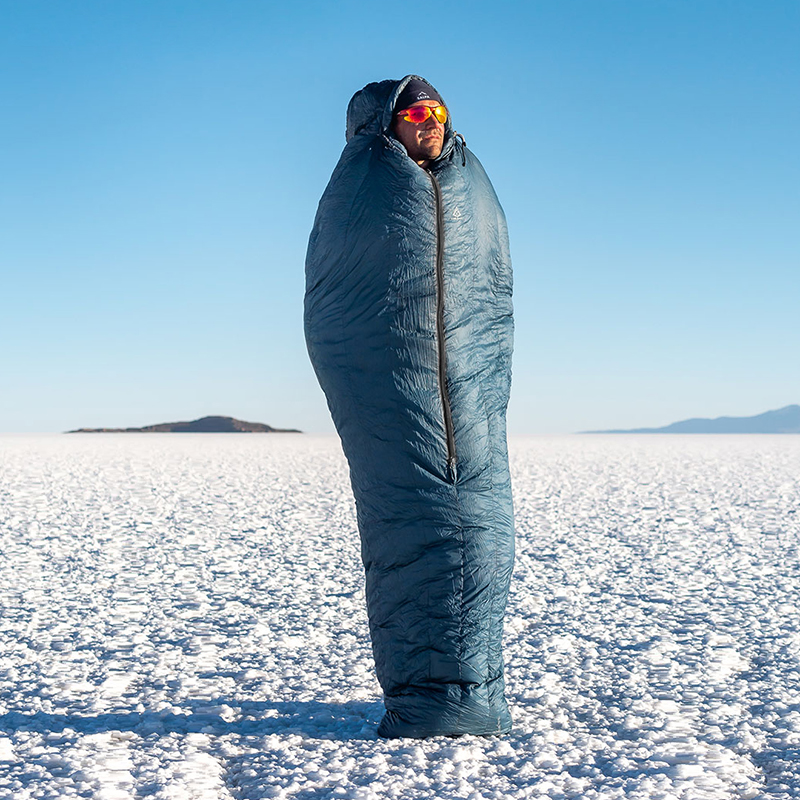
pixel 183 618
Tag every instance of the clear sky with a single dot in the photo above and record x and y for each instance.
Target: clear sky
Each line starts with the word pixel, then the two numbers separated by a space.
pixel 161 162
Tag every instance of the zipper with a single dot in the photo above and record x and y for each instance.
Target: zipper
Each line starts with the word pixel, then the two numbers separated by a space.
pixel 440 332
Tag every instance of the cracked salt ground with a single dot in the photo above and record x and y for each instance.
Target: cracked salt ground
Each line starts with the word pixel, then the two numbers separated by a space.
pixel 183 617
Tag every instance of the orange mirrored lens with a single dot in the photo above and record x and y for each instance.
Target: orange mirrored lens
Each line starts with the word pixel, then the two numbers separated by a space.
pixel 418 114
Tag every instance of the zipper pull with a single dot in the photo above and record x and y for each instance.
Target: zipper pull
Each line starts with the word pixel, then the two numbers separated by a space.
pixel 451 468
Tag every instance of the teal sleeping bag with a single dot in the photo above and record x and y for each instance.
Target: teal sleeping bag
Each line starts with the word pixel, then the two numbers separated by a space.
pixel 408 321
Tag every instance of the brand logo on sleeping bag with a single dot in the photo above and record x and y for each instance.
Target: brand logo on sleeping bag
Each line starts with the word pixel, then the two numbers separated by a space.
pixel 456 214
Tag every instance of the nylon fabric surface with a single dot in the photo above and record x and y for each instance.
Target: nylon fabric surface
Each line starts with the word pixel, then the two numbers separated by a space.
pixel 437 539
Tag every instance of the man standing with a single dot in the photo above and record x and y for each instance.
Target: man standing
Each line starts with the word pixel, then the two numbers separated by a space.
pixel 409 327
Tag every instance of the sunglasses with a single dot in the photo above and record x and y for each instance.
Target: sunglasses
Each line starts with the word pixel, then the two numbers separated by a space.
pixel 418 114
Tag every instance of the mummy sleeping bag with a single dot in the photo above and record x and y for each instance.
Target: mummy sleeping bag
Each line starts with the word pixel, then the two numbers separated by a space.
pixel 408 321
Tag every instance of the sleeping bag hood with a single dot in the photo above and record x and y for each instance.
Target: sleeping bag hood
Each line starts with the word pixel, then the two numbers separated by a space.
pixel 408 322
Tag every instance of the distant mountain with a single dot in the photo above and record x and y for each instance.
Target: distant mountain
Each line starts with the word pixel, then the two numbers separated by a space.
pixel 783 420
pixel 203 425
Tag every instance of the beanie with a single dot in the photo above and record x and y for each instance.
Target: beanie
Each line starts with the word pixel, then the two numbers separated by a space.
pixel 414 91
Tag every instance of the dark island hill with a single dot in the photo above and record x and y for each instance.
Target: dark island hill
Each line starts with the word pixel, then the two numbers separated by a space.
pixel 782 420
pixel 203 425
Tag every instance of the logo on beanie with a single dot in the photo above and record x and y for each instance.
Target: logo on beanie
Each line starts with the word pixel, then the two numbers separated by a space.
pixel 423 96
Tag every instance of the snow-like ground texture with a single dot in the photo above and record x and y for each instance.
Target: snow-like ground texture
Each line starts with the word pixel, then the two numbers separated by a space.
pixel 183 617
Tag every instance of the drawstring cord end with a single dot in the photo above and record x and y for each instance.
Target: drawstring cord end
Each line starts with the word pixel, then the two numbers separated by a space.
pixel 463 148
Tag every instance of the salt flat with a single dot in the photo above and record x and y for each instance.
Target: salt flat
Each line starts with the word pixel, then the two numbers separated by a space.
pixel 183 617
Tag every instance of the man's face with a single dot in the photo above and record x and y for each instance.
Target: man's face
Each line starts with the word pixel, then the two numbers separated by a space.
pixel 423 140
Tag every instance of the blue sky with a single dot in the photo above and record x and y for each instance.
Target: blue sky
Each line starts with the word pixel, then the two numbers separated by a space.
pixel 161 164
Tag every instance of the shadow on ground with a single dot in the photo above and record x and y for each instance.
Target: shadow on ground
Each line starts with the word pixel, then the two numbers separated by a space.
pixel 311 719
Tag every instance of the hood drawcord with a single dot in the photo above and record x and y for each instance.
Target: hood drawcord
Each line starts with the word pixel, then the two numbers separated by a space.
pixel 463 148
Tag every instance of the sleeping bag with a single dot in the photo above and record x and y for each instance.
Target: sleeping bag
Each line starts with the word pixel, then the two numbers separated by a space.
pixel 408 322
